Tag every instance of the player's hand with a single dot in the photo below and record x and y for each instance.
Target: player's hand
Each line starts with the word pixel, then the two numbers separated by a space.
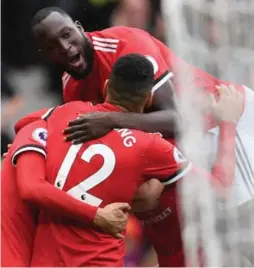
pixel 5 154
pixel 112 219
pixel 88 127
pixel 229 107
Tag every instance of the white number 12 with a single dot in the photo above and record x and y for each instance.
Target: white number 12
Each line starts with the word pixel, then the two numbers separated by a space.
pixel 80 190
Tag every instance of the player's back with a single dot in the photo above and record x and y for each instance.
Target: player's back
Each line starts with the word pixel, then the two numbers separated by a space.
pixel 98 172
pixel 119 150
pixel 18 220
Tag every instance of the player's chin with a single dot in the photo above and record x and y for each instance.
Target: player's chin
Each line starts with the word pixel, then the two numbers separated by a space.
pixel 77 73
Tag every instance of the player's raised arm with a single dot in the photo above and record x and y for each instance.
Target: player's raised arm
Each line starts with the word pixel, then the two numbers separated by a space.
pixel 165 162
pixel 227 111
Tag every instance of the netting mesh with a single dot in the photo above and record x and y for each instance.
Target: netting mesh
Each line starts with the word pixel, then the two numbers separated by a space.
pixel 217 37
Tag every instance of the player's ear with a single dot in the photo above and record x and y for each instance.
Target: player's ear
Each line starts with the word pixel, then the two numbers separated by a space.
pixel 79 26
pixel 149 100
pixel 105 89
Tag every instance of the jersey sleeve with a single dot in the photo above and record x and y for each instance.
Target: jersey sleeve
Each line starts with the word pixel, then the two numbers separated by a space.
pixel 32 137
pixel 33 187
pixel 142 43
pixel 164 161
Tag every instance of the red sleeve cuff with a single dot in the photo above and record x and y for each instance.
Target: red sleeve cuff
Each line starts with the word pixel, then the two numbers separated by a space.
pixel 161 80
pixel 28 147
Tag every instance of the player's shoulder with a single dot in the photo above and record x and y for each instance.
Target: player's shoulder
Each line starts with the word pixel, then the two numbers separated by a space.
pixel 62 114
pixel 117 34
pixel 140 138
pixel 34 129
pixel 156 144
pixel 148 136
pixel 115 31
pixel 32 135
pixel 71 107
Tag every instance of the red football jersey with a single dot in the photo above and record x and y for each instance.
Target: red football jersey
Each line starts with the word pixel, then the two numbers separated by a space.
pixel 114 42
pixel 109 45
pixel 99 172
pixel 19 219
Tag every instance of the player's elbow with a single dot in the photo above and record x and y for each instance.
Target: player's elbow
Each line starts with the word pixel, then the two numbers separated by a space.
pixel 27 193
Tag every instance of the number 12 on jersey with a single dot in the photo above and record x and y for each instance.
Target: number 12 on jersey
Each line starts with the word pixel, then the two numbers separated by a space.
pixel 80 190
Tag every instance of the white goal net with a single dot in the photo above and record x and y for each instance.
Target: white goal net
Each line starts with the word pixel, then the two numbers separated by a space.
pixel 217 36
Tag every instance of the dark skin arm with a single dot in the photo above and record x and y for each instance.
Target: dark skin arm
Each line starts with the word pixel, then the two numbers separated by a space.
pixel 161 117
pixel 147 196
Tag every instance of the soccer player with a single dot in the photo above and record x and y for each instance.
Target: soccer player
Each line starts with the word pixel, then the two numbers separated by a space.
pixel 23 180
pixel 102 171
pixel 162 224
pixel 18 219
pixel 88 59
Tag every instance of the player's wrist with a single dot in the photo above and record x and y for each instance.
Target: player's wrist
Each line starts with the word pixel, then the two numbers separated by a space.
pixel 228 127
pixel 99 215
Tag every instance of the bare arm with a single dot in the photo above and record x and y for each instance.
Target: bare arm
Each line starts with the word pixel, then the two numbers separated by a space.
pixel 147 196
pixel 223 169
pixel 228 111
pixel 161 117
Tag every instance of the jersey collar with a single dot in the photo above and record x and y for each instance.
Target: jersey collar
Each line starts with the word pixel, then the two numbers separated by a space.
pixel 110 107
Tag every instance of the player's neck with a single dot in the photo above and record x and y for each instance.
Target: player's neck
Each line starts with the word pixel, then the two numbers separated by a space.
pixel 127 107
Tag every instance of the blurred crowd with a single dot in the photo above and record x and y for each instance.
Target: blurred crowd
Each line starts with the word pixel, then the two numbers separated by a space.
pixel 29 82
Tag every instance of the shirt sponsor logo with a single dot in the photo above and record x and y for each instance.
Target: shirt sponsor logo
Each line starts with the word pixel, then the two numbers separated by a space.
pixel 160 217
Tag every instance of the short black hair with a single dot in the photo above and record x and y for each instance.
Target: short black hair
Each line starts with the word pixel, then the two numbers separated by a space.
pixel 132 77
pixel 42 14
